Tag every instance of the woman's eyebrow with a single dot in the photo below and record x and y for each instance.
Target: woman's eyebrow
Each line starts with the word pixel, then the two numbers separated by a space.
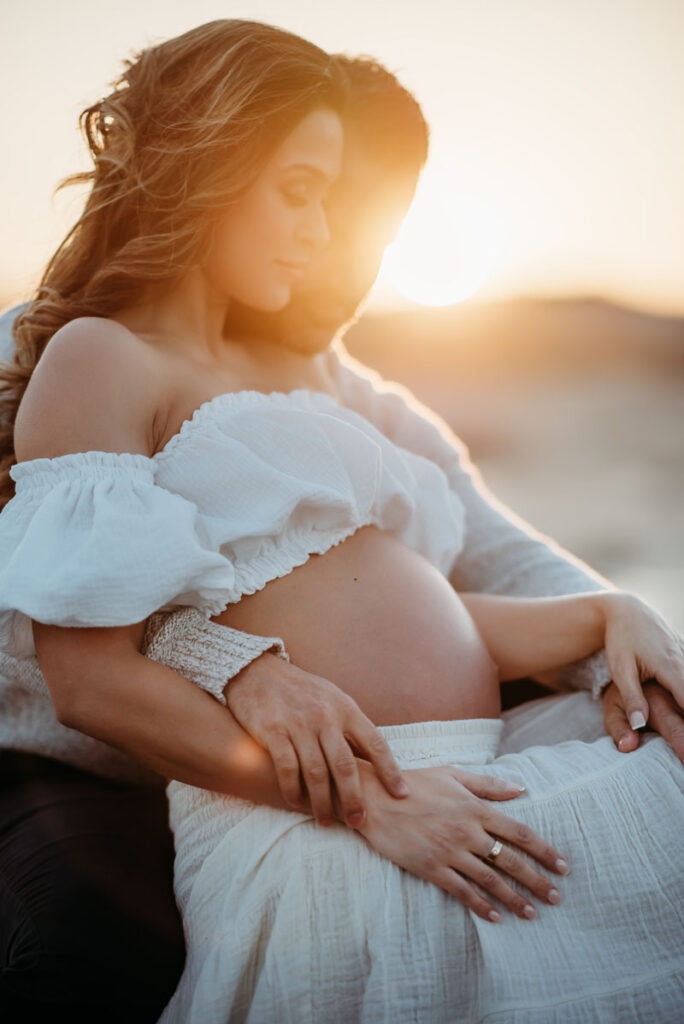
pixel 311 169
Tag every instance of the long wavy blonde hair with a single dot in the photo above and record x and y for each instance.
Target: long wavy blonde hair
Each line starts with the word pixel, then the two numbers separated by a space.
pixel 186 128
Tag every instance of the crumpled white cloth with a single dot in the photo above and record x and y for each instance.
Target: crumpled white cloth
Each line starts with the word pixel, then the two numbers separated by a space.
pixel 289 922
pixel 247 490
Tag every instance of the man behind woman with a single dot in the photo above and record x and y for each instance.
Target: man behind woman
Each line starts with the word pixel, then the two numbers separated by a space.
pixel 328 303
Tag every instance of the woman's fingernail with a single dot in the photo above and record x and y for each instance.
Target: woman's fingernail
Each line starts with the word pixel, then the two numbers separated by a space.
pixel 494 915
pixel 517 788
pixel 622 743
pixel 401 789
pixel 529 912
pixel 354 820
pixel 562 866
pixel 554 896
pixel 637 720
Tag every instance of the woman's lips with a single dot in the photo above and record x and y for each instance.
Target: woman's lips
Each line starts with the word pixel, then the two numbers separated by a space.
pixel 296 270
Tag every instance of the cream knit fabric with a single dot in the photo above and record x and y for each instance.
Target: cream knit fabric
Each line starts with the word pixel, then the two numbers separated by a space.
pixel 213 653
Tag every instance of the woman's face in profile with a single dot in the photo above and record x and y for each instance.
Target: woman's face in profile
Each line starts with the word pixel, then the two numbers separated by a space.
pixel 365 208
pixel 264 243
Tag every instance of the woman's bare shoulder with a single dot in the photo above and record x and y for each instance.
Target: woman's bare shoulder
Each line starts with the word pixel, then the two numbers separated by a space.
pixel 94 388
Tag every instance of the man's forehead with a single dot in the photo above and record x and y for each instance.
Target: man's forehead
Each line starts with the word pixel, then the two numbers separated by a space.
pixel 359 169
pixel 368 190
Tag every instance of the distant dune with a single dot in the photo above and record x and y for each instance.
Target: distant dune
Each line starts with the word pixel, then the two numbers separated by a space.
pixel 527 335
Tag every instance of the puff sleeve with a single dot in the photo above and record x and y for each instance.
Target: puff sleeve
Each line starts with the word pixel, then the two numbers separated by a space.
pixel 90 539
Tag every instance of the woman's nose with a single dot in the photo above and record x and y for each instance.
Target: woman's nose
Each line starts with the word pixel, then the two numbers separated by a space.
pixel 315 229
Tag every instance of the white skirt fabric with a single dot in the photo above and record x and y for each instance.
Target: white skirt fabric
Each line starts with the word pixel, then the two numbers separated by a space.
pixel 288 922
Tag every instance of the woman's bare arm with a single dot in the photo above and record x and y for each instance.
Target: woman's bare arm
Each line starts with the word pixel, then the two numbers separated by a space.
pixel 525 636
pixel 92 390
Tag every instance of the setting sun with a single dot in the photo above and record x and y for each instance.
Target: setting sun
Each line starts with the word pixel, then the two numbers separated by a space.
pixel 447 247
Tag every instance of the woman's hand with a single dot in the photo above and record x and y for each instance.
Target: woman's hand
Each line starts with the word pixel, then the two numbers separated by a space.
pixel 312 730
pixel 639 646
pixel 664 717
pixel 442 831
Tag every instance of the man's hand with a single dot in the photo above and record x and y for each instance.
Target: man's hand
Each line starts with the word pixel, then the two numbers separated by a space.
pixel 312 730
pixel 665 717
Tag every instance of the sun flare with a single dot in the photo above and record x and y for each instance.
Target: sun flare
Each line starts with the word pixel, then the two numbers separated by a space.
pixel 446 249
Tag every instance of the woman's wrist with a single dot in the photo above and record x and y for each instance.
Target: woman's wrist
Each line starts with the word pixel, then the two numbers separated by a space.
pixel 611 599
pixel 365 769
pixel 614 602
pixel 374 795
pixel 372 790
pixel 600 605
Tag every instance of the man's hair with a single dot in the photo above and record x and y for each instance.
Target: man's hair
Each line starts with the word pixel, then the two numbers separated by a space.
pixel 387 118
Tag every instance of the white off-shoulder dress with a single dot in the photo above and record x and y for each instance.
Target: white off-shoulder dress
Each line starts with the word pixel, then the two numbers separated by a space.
pixel 286 921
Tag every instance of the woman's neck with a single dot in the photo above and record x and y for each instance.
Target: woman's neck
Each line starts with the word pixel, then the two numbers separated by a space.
pixel 187 316
pixel 188 320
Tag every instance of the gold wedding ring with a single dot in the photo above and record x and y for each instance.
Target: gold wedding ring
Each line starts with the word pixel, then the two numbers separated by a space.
pixel 494 852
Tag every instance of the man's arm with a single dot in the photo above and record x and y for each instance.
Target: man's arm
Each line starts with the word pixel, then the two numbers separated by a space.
pixel 6 339
pixel 502 553
pixel 101 685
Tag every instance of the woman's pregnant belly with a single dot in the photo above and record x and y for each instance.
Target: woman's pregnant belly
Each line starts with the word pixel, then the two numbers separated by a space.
pixel 377 619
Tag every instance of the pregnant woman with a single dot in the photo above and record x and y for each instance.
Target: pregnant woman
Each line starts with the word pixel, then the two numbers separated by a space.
pixel 238 481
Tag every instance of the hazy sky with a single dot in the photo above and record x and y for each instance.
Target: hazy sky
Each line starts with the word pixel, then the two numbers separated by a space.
pixel 557 155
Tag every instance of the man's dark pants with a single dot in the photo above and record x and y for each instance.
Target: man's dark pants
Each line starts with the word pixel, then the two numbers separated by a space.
pixel 89 929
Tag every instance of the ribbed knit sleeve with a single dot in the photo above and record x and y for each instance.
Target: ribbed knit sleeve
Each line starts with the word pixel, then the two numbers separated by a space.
pixel 205 652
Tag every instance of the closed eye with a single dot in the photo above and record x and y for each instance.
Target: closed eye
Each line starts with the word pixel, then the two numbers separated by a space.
pixel 306 186
pixel 296 197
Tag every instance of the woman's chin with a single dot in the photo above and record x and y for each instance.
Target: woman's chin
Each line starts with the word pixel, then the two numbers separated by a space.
pixel 273 300
pixel 274 304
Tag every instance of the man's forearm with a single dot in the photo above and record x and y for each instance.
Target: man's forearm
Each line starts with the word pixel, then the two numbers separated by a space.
pixel 150 712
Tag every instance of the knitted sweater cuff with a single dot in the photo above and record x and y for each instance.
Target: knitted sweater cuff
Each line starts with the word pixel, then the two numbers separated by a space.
pixel 210 654
pixel 590 673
